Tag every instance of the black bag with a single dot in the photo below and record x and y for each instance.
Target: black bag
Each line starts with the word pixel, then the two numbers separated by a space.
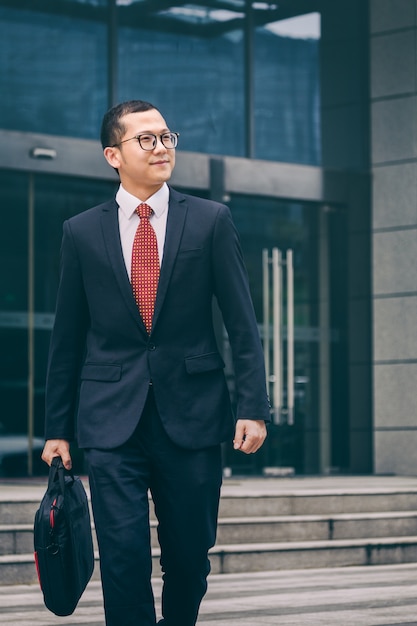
pixel 64 554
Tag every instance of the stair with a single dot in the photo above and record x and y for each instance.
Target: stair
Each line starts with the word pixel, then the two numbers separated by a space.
pixel 332 526
pixel 264 525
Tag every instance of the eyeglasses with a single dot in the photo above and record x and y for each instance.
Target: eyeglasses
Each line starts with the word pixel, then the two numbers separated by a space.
pixel 147 141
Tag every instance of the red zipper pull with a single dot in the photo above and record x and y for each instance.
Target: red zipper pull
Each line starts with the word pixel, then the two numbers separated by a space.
pixel 52 514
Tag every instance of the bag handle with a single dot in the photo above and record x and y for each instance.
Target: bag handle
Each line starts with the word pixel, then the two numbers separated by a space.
pixel 57 470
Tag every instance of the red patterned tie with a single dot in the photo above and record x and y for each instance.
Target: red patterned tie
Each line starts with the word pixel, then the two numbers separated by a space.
pixel 145 265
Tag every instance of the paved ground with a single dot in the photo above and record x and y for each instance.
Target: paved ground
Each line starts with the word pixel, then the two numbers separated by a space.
pixel 357 596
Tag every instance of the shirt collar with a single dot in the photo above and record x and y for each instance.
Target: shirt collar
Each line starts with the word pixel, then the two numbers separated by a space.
pixel 128 203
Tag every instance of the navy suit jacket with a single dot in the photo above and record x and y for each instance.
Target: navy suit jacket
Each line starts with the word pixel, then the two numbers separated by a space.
pixel 102 360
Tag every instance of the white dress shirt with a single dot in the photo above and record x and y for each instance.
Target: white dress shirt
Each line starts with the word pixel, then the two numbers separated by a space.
pixel 129 220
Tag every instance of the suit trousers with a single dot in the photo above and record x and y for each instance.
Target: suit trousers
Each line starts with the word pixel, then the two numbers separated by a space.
pixel 185 488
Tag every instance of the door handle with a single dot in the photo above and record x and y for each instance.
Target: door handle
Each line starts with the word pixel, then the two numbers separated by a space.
pixel 290 336
pixel 273 288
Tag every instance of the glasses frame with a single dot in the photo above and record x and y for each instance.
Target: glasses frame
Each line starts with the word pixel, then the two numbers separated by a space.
pixel 156 137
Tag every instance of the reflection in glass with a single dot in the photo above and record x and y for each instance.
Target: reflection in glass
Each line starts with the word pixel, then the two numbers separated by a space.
pixel 287 90
pixel 53 77
pixel 196 82
pixel 190 60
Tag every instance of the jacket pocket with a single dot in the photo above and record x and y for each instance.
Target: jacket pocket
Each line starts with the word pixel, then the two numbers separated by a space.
pixel 108 372
pixel 203 363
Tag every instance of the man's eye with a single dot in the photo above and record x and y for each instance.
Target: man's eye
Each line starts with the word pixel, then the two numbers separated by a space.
pixel 168 138
pixel 147 139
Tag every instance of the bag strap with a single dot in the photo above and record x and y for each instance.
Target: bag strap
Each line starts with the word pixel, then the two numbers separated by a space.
pixel 57 471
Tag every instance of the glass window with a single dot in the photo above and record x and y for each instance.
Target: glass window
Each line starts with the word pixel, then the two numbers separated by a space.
pixel 195 81
pixel 53 77
pixel 287 91
pixel 189 60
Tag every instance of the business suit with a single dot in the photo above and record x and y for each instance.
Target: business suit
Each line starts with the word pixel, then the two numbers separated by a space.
pixel 152 409
pixel 96 309
pixel 103 338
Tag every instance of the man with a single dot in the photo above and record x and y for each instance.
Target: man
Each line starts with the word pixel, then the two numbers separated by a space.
pixel 144 375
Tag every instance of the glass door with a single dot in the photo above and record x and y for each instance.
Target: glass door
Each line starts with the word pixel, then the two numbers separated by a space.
pixel 34 209
pixel 13 316
pixel 276 233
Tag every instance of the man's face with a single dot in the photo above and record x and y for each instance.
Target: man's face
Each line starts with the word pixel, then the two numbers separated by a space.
pixel 140 170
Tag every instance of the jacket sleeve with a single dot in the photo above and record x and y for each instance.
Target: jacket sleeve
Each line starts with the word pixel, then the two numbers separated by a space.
pixel 67 344
pixel 234 299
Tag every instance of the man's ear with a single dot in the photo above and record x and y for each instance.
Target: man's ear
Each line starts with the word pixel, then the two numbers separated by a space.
pixel 112 156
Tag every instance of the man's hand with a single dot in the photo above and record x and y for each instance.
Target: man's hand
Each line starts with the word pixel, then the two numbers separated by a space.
pixel 249 435
pixel 57 447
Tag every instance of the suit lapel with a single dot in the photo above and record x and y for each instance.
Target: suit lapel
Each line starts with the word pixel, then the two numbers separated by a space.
pixel 175 224
pixel 111 235
pixel 177 212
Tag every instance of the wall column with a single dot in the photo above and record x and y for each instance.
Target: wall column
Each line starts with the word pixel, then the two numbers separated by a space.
pixel 393 40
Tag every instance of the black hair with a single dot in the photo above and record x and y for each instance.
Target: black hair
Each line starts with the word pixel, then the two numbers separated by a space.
pixel 112 129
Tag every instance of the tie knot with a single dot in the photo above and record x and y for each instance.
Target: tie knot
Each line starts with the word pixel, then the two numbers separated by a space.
pixel 144 210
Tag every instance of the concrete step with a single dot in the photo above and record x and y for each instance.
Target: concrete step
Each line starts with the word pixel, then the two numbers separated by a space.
pixel 313 554
pixel 18 538
pixel 20 569
pixel 18 512
pixel 316 527
pixel 322 503
pixel 256 557
pixel 263 525
pixel 318 503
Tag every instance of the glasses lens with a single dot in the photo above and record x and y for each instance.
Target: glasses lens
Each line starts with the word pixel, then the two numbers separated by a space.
pixel 169 140
pixel 147 142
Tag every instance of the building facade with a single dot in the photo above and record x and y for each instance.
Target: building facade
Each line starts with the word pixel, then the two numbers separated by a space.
pixel 301 114
pixel 393 93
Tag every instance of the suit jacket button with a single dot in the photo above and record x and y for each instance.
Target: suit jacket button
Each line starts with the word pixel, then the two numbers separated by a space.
pixel 151 346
